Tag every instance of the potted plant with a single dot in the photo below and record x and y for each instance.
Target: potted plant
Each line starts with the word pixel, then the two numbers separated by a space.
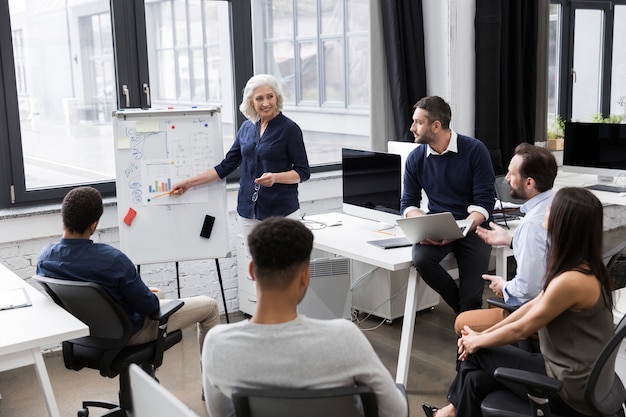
pixel 556 131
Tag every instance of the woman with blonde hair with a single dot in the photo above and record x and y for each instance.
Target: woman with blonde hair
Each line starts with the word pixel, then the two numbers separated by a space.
pixel 269 148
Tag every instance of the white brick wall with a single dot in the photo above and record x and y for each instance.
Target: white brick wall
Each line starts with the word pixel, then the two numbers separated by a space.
pixel 196 277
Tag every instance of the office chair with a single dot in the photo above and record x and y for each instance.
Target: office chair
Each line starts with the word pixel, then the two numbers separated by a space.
pixel 109 330
pixel 604 391
pixel 353 401
pixel 616 264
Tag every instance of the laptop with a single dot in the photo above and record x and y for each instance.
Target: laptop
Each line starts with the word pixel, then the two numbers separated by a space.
pixel 438 226
pixel 150 399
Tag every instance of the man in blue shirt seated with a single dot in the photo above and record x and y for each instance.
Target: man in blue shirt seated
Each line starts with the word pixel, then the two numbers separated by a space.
pixel 456 173
pixel 531 175
pixel 77 257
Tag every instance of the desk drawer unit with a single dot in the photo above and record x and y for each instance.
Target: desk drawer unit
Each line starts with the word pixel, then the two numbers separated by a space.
pixel 382 293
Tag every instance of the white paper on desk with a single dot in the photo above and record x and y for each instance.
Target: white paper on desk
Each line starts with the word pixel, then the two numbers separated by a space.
pixel 14 298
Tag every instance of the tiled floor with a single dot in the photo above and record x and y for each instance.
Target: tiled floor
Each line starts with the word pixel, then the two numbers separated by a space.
pixel 432 367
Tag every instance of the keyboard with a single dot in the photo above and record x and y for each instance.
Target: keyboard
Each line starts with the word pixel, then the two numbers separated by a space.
pixel 607 188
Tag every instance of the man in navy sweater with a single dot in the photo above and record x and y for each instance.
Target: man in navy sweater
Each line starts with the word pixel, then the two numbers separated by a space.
pixel 456 173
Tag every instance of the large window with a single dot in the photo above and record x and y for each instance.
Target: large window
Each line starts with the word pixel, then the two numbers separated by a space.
pixel 65 85
pixel 319 50
pixel 587 62
pixel 77 61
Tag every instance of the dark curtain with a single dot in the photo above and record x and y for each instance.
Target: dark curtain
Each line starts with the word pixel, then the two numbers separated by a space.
pixel 506 75
pixel 403 33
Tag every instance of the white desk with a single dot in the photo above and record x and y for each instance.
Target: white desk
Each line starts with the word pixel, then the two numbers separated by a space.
pixel 350 240
pixel 570 179
pixel 26 330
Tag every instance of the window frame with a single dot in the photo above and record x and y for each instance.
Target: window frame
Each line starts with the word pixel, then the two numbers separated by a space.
pixel 131 67
pixel 568 7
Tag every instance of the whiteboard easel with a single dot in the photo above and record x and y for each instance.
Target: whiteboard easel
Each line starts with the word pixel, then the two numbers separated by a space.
pixel 154 149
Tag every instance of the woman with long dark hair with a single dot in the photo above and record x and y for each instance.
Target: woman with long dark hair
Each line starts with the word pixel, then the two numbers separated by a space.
pixel 572 314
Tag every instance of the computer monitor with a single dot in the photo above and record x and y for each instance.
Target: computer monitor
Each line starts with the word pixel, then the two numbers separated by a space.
pixel 371 184
pixel 595 148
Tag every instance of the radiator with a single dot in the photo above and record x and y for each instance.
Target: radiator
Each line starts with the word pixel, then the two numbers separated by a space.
pixel 328 295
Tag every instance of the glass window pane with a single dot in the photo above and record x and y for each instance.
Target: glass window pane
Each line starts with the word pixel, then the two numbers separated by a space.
pixel 197 70
pixel 306 17
pixel 618 77
pixel 554 54
pixel 195 25
pixel 183 75
pixel 279 19
pixel 180 23
pixel 587 68
pixel 66 91
pixel 358 74
pixel 308 71
pixel 280 64
pixel 358 16
pixel 332 17
pixel 199 92
pixel 314 81
pixel 334 85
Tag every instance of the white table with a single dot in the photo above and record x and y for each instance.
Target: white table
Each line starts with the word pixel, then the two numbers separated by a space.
pixel 26 330
pixel 570 179
pixel 350 240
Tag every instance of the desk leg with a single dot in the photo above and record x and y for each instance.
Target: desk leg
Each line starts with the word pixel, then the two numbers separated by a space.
pixel 502 253
pixel 44 382
pixel 408 326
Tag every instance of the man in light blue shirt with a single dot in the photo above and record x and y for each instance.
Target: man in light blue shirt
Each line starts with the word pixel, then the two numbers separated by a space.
pixel 531 175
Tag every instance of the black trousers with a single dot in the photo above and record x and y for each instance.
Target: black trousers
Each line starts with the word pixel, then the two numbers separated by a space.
pixel 474 379
pixel 472 257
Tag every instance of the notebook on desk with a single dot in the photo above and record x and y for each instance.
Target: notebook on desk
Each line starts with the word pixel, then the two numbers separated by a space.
pixel 391 243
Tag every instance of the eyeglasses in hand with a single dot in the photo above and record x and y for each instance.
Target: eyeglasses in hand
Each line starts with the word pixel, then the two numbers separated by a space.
pixel 255 195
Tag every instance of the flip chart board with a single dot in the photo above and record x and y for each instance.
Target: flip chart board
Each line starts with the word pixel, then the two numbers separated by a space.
pixel 154 149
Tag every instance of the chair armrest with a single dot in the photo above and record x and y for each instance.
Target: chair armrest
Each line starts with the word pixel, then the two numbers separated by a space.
pixel 499 302
pixel 163 314
pixel 536 383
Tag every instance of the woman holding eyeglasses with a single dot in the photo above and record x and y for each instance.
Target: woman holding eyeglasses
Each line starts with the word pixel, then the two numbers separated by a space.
pixel 269 148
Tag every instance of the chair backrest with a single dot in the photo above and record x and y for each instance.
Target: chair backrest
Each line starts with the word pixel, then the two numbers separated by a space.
pixel 604 390
pixel 151 399
pixel 354 401
pixel 92 305
pixel 610 255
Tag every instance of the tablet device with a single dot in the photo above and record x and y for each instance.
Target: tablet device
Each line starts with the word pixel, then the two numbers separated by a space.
pixel 438 226
pixel 391 243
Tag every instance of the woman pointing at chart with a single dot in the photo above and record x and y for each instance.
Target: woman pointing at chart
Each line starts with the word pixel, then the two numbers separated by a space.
pixel 269 148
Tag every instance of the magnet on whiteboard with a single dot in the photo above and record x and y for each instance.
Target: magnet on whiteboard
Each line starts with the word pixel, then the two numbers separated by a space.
pixel 130 216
